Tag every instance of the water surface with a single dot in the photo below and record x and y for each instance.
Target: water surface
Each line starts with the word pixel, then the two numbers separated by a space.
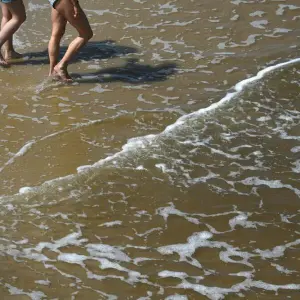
pixel 160 173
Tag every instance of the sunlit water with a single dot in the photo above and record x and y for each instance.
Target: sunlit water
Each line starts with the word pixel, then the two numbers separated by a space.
pixel 169 169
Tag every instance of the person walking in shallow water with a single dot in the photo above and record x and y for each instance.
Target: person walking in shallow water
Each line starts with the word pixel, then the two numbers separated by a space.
pixel 13 16
pixel 64 11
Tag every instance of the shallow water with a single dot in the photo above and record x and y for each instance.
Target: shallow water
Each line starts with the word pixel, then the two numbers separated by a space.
pixel 169 169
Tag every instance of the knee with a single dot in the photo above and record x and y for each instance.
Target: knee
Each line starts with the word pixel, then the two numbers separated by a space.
pixel 89 35
pixel 21 19
pixel 5 18
pixel 6 15
pixel 58 34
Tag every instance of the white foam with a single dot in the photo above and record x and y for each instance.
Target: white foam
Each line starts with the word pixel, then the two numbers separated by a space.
pixel 25 149
pixel 37 7
pixel 21 152
pixel 259 24
pixel 274 287
pixel 9 207
pixel 185 251
pixel 297 166
pixel 72 258
pixel 273 184
pixel 277 251
pixel 26 190
pixel 295 149
pixel 84 168
pixel 282 7
pixel 111 224
pixel 135 144
pixel 239 87
pixel 177 297
pixel 231 156
pixel 70 239
pixel 165 212
pixel 4 107
pixel 165 274
pixel 99 89
pixel 140 167
pixel 206 178
pixel 43 282
pixel 34 295
pixel 146 233
pixel 242 220
pixel 213 293
pixel 230 252
pixel 148 297
pixel 264 119
pixel 258 13
pixel 282 269
pixel 216 293
pixel 107 251
pixel 102 12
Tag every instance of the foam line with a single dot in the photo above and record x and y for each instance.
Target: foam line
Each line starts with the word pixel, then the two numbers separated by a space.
pixel 21 152
pixel 24 149
pixel 140 142
pixel 238 88
pixel 137 143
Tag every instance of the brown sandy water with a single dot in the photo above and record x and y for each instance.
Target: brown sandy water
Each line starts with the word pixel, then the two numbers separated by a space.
pixel 107 195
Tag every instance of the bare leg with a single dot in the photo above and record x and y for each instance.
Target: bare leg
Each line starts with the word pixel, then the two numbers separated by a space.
pixel 81 24
pixel 58 30
pixel 18 13
pixel 8 48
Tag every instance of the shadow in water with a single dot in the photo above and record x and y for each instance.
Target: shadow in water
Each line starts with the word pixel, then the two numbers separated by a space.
pixel 93 50
pixel 131 72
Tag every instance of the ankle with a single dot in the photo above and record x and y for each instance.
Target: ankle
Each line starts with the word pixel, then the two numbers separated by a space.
pixel 61 66
pixel 6 49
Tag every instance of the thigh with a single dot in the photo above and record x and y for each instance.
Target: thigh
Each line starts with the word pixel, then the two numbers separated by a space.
pixel 80 23
pixel 59 22
pixel 5 11
pixel 16 8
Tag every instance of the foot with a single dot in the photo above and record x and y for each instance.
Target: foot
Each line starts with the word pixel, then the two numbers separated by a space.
pixel 3 62
pixel 53 75
pixel 8 55
pixel 62 73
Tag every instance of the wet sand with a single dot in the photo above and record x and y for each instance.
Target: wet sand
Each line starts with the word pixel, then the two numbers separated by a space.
pixel 159 173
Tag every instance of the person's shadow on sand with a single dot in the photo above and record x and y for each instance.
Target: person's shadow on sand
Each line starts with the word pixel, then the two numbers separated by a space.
pixel 131 72
pixel 93 50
